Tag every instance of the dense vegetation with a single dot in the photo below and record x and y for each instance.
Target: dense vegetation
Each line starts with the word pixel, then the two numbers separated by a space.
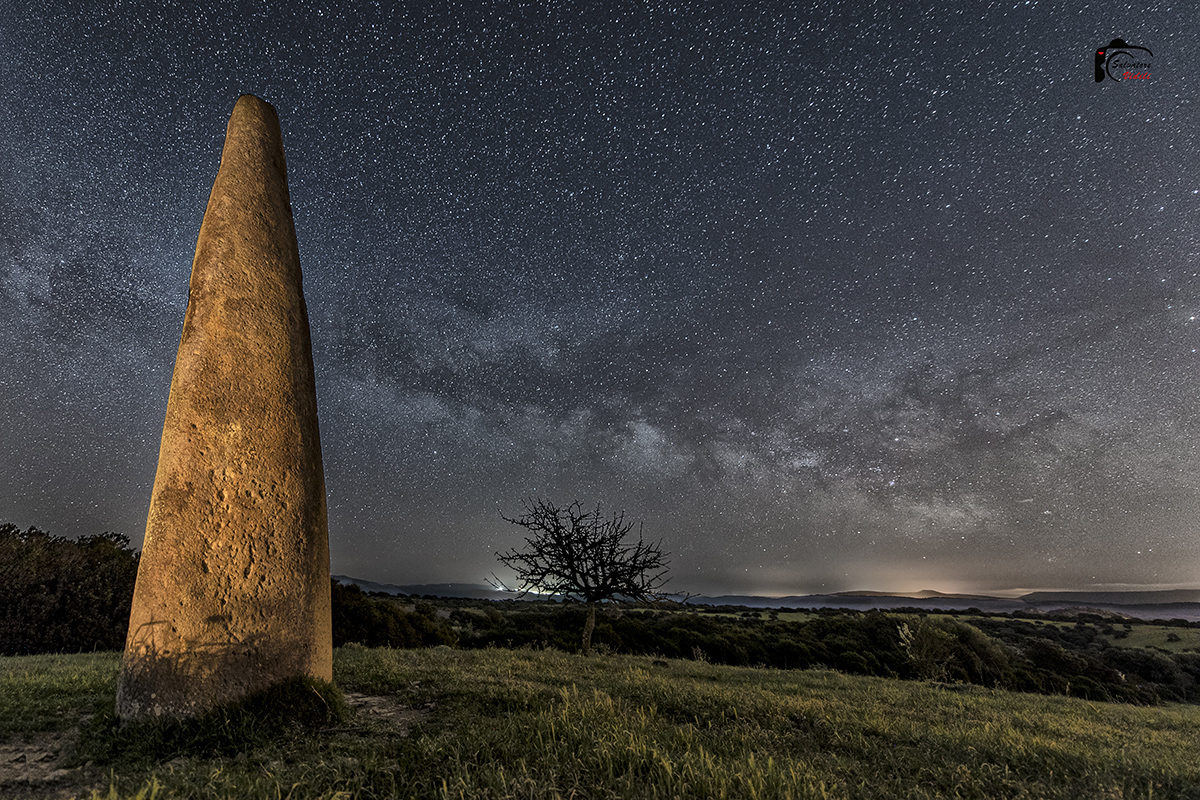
pixel 994 651
pixel 63 595
pixel 360 619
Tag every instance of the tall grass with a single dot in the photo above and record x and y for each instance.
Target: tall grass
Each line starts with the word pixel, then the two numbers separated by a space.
pixel 542 724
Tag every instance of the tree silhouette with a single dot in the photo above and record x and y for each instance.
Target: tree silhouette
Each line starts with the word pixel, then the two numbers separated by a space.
pixel 585 556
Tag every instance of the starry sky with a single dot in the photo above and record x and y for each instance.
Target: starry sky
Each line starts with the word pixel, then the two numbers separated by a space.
pixel 887 296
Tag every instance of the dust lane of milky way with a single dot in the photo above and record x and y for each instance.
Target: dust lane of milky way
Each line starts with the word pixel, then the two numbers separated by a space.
pixel 895 300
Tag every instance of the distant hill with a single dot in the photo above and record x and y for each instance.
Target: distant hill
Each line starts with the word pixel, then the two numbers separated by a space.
pixel 478 591
pixel 1167 604
pixel 924 594
pixel 865 601
pixel 1116 598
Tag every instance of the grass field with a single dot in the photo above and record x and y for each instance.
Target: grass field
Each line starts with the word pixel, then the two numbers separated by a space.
pixel 1172 639
pixel 445 723
pixel 1139 635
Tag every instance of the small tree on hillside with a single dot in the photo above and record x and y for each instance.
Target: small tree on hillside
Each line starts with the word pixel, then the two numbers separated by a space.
pixel 583 555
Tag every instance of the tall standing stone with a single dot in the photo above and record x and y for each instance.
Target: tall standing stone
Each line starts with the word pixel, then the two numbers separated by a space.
pixel 232 591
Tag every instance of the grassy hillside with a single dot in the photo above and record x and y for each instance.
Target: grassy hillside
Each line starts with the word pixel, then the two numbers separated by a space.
pixel 542 724
pixel 1159 637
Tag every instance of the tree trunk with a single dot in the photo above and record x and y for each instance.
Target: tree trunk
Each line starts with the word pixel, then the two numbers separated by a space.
pixel 588 627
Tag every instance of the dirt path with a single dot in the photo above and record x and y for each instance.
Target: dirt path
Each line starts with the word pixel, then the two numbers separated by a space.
pixel 33 768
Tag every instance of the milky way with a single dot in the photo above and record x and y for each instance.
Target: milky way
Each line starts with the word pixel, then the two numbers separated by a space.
pixel 886 299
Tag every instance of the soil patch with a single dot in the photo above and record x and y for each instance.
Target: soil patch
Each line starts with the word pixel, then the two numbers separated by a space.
pixel 32 767
pixel 399 716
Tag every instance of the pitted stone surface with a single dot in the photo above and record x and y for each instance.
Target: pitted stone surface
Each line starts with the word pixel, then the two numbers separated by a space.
pixel 232 592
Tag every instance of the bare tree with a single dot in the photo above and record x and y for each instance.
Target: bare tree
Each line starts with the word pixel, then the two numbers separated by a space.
pixel 583 555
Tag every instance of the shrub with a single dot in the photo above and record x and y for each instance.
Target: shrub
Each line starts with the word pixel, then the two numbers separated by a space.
pixel 381 622
pixel 60 595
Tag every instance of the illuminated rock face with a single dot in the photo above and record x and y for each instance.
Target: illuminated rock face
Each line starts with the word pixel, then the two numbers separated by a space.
pixel 232 591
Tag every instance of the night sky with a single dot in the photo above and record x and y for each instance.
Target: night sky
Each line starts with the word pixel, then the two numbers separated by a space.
pixel 830 296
